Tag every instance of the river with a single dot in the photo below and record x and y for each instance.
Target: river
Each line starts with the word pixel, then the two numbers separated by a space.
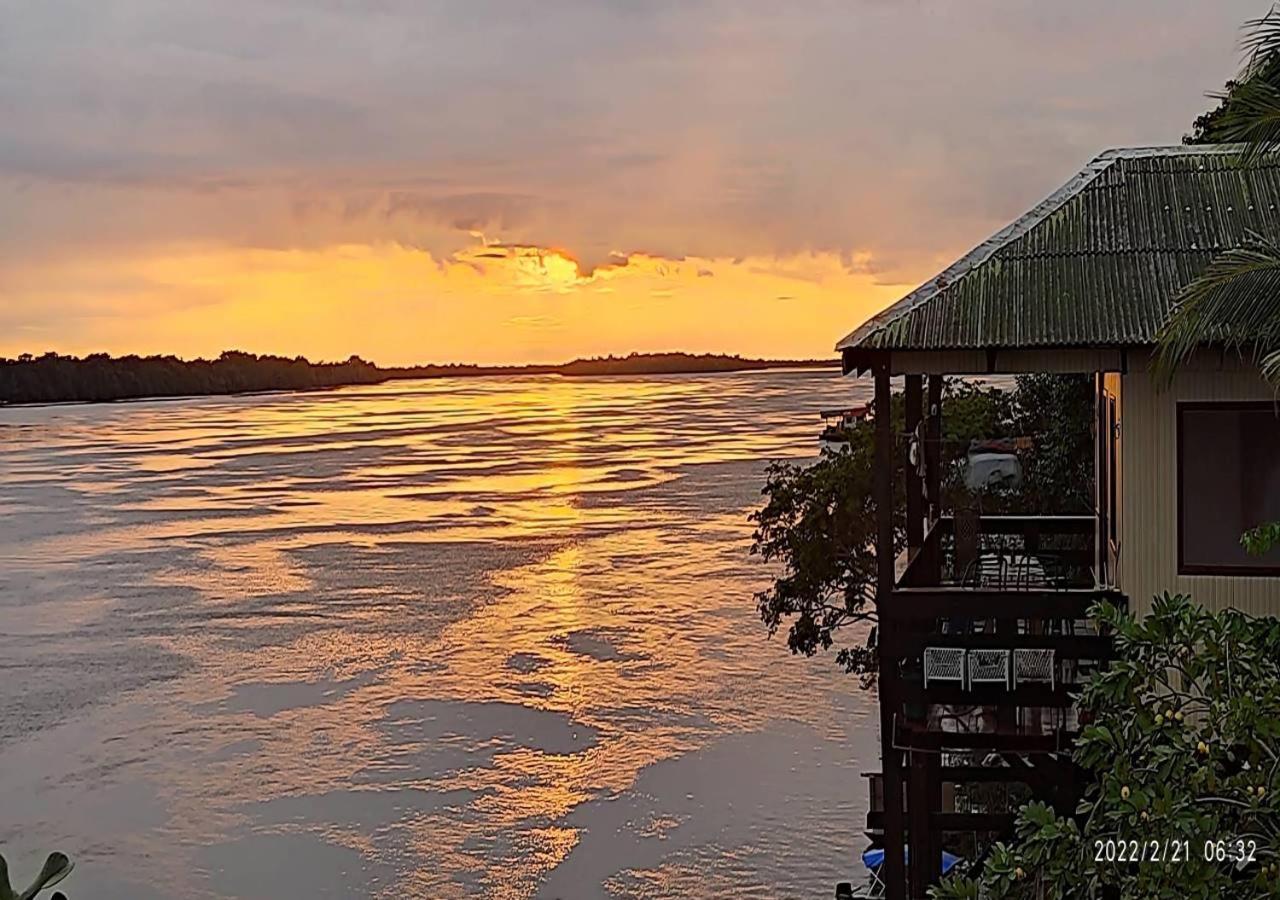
pixel 451 638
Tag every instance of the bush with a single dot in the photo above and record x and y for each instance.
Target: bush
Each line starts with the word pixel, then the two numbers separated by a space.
pixel 1185 748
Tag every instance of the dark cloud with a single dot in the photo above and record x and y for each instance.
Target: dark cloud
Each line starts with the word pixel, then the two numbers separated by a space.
pixel 476 211
pixel 730 128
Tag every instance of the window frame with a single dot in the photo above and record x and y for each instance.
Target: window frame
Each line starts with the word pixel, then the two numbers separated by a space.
pixel 1113 470
pixel 1185 568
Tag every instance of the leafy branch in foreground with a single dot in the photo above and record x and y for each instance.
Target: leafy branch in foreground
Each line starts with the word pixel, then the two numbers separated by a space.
pixel 1234 302
pixel 56 867
pixel 1184 745
pixel 1261 540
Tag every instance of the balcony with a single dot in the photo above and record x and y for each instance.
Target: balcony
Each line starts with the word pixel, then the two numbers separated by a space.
pixel 988 635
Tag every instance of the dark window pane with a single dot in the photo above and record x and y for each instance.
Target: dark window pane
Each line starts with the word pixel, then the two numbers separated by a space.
pixel 1229 482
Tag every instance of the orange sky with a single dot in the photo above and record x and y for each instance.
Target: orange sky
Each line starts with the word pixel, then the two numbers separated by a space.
pixel 488 303
pixel 390 179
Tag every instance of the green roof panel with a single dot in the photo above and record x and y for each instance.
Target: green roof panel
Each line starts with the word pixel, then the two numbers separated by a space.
pixel 1099 263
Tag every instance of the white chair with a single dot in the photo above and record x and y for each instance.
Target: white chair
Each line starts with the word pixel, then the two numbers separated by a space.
pixel 988 667
pixel 944 664
pixel 1034 667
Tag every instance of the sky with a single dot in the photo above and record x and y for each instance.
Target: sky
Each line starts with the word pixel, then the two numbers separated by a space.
pixel 507 181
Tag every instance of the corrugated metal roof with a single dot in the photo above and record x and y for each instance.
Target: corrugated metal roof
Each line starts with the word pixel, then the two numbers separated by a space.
pixel 1097 263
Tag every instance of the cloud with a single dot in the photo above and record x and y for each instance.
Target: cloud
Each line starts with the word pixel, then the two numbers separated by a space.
pixel 890 136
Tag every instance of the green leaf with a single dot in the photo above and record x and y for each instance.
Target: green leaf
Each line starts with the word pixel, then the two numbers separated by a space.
pixel 56 867
pixel 1262 539
pixel 6 889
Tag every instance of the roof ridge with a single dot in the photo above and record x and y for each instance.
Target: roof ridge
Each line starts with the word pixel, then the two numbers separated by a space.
pixel 1125 251
pixel 984 251
pixel 1139 152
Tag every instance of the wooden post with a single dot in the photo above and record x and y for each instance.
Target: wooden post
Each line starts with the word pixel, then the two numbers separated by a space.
pixel 914 386
pixel 933 447
pixel 933 469
pixel 919 811
pixel 1100 475
pixel 893 871
pixel 933 765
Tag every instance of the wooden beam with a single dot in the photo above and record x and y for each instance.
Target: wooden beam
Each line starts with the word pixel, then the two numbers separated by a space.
pixel 943 822
pixel 1084 360
pixel 986 774
pixel 894 870
pixel 922 603
pixel 1065 646
pixel 914 388
pixel 1039 524
pixel 1022 524
pixel 955 821
pixel 1027 695
pixel 919 739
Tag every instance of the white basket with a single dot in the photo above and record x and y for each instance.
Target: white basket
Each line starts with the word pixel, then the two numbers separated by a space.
pixel 988 667
pixel 944 664
pixel 1033 667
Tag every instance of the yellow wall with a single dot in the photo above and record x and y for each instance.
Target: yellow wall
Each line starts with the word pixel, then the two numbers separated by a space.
pixel 1148 551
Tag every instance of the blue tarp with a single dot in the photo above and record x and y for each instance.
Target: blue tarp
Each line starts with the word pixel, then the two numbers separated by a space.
pixel 874 859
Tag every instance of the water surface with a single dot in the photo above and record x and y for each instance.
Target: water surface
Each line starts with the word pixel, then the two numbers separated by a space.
pixel 455 638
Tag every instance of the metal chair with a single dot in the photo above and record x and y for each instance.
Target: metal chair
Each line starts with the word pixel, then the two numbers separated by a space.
pixel 988 667
pixel 944 664
pixel 1034 666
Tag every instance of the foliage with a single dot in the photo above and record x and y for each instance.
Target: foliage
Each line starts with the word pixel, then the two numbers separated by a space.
pixel 1234 301
pixel 1058 411
pixel 56 867
pixel 671 363
pixel 819 521
pixel 1184 745
pixel 1231 121
pixel 1262 539
pixel 53 378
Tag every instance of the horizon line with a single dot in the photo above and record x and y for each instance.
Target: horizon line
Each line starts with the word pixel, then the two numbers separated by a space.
pixel 634 354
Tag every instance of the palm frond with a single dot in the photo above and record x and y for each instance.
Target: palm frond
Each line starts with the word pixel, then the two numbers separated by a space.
pixel 1261 43
pixel 1234 302
pixel 1252 117
pixel 1271 367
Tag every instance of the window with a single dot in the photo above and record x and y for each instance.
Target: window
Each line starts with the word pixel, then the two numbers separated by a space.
pixel 1228 482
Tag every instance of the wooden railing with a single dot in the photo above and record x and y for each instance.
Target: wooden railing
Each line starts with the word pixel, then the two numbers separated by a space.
pixel 925 567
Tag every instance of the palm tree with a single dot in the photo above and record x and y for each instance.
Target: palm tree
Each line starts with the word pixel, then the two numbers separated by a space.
pixel 1236 300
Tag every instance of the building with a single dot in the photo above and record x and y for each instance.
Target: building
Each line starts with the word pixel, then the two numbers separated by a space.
pixel 1082 283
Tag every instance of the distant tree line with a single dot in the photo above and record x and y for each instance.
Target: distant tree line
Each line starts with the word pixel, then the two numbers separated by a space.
pixel 676 363
pixel 53 378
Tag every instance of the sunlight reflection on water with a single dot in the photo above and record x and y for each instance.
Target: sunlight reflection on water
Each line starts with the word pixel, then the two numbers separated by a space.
pixel 440 639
